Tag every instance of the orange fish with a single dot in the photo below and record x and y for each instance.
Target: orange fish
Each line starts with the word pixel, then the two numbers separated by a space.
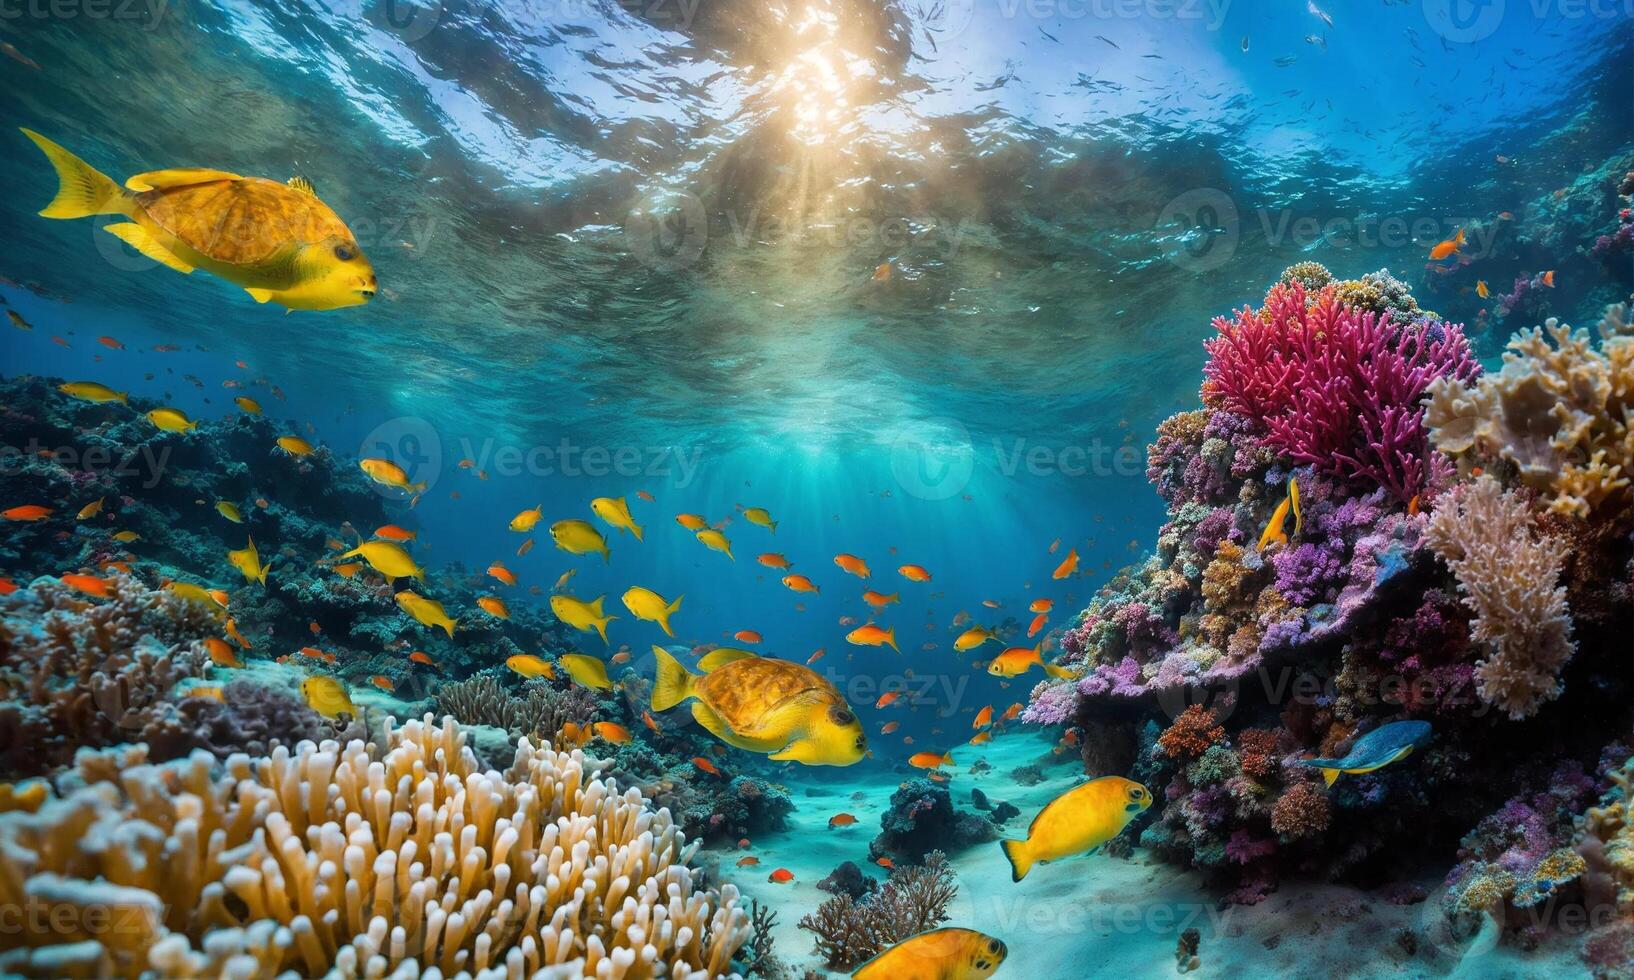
pixel 930 760
pixel 887 698
pixel 852 564
pixel 841 820
pixel 315 628
pixel 772 559
pixel 890 727
pixel 1041 605
pixel 88 584
pixel 1412 506
pixel 236 636
pixel 312 652
pixel 421 657
pixel 612 732
pixel 621 657
pixel 781 876
pixel 644 495
pixel 799 583
pixel 748 861
pixel 391 532
pixel 1011 712
pixel 880 600
pixel 525 547
pixel 882 272
pixel 692 522
pixel 502 573
pixel 705 765
pixel 348 569
pixel 220 653
pixel 747 636
pixel 110 343
pixel 981 738
pixel 983 717
pixel 493 606
pixel 1068 566
pixel 1055 546
pixel 1448 247
pixel 651 722
pixel 26 512
pixel 1481 289
pixel 886 863
pixel 1548 279
pixel 870 635
pixel 815 657
pixel 383 682
pixel 7 586
pixel 1037 624
pixel 914 573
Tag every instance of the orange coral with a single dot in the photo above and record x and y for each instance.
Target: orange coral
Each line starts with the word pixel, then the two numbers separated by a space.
pixel 1258 747
pixel 1191 734
pixel 1300 812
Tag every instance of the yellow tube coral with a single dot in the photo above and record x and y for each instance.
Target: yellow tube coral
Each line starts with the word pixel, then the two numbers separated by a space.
pixel 355 862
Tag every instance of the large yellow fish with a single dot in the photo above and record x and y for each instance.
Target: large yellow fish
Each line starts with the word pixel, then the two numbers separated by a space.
pixel 581 615
pixel 248 561
pixel 760 516
pixel 716 541
pixel 92 392
pixel 278 242
pixel 426 612
pixel 586 671
pixel 191 593
pixel 389 474
pixel 386 557
pixel 327 696
pixel 1081 819
pixel 768 706
pixel 616 511
pixel 940 954
pixel 171 420
pixel 578 538
pixel 650 606
pixel 530 666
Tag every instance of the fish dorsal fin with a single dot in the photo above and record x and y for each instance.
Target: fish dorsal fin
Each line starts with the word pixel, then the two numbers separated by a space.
pixel 303 185
pixel 719 658
pixel 158 180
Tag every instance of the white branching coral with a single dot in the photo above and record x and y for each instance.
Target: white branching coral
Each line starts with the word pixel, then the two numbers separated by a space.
pixel 1509 576
pixel 1562 413
pixel 352 862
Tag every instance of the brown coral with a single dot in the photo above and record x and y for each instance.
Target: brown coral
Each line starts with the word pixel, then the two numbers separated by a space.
pixel 913 900
pixel 1509 576
pixel 1191 734
pixel 1300 812
pixel 540 709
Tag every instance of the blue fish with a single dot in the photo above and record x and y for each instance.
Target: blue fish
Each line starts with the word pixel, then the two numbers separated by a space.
pixel 1378 748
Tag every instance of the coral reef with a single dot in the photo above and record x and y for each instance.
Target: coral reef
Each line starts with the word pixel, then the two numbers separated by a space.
pixel 912 900
pixel 923 819
pixel 536 710
pixel 359 860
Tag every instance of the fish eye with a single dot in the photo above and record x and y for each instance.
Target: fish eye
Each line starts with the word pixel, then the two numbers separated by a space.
pixel 1138 793
pixel 343 253
pixel 841 716
pixel 994 946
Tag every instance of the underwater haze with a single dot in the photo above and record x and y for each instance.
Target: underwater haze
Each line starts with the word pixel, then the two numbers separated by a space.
pixel 1135 428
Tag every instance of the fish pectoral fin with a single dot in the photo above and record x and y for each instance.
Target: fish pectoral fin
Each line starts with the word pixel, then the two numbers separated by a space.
pixel 137 237
pixel 706 716
pixel 155 180
pixel 259 295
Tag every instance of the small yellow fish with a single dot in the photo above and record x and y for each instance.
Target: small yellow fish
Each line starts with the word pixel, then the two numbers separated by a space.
pixel 524 522
pixel 648 605
pixel 973 637
pixel 389 474
pixel 578 538
pixel 716 541
pixel 426 612
pixel 327 696
pixel 295 445
pixel 386 557
pixel 530 666
pixel 586 670
pixel 248 561
pixel 1279 518
pixel 1082 818
pixel 760 516
pixel 248 404
pixel 616 511
pixel 940 954
pixel 229 511
pixel 494 606
pixel 171 420
pixel 190 592
pixel 90 510
pixel 92 392
pixel 581 615
pixel 126 537
pixel 1481 289
pixel 692 522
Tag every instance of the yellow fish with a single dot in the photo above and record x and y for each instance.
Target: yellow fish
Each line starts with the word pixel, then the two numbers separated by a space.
pixel 760 516
pixel 780 709
pixel 229 511
pixel 525 521
pixel 221 654
pixel 616 511
pixel 972 638
pixel 494 606
pixel 1279 518
pixel 692 522
pixel 581 615
pixel 90 510
pixel 586 670
pixel 1081 819
pixel 389 474
pixel 327 696
pixel 248 404
pixel 426 612
pixel 386 557
pixel 579 538
pixel 652 607
pixel 869 635
pixel 1017 660
pixel 1481 289
pixel 716 541
pixel 530 666
pixel 295 445
pixel 191 592
pixel 940 954
pixel 278 242
pixel 248 561
pixel 171 420
pixel 92 392
pixel 126 537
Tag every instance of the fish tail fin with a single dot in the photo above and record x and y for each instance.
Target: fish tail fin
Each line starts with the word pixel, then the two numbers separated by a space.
pixel 82 190
pixel 415 489
pixel 124 397
pixel 773 526
pixel 890 637
pixel 635 529
pixel 1021 862
pixel 448 627
pixel 1328 776
pixel 606 554
pixel 673 684
pixel 601 627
